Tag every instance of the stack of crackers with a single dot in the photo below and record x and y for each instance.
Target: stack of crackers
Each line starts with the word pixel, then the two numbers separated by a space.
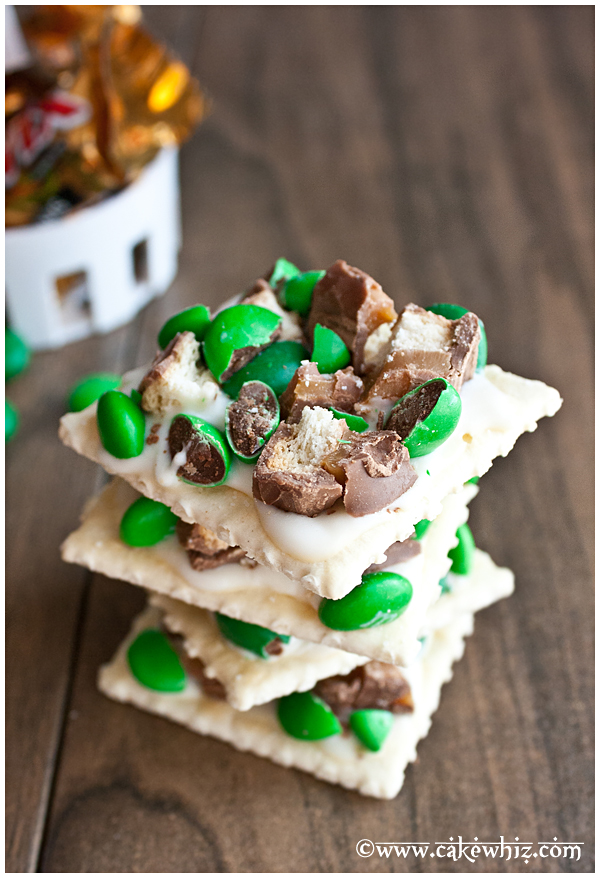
pixel 292 476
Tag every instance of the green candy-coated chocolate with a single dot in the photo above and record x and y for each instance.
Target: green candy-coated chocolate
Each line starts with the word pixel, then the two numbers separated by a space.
pixel 355 422
pixel 136 396
pixel 440 423
pixel 16 354
pixel 154 663
pixel 208 433
pixel 146 523
pixel 371 727
pixel 274 366
pixel 297 293
pixel 283 270
pixel 329 351
pixel 121 425
pixel 195 319
pixel 11 420
pixel 271 406
pixel 445 585
pixel 91 388
pixel 236 328
pixel 421 528
pixel 305 716
pixel 250 637
pixel 455 312
pixel 472 481
pixel 462 554
pixel 380 598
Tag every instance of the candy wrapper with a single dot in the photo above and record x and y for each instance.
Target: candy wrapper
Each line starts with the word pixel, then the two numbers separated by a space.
pixel 96 102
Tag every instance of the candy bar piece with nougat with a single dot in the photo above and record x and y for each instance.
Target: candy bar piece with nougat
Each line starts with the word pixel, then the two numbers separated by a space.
pixel 205 550
pixel 309 388
pixel 423 345
pixel 351 303
pixel 174 380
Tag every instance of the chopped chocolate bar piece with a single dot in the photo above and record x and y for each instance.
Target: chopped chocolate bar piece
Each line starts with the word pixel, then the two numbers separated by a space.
pixel 201 561
pixel 199 538
pixel 423 345
pixel 309 388
pixel 252 419
pixel 351 303
pixel 262 294
pixel 398 553
pixel 288 473
pixel 174 380
pixel 195 667
pixel 375 469
pixel 374 686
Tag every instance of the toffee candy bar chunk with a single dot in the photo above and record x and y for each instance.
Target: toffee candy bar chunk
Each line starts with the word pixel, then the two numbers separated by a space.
pixel 310 388
pixel 206 456
pixel 425 345
pixel 236 335
pixel 455 312
pixel 288 473
pixel 205 550
pixel 374 686
pixel 398 553
pixel 251 419
pixel 174 380
pixel 426 417
pixel 374 468
pixel 353 305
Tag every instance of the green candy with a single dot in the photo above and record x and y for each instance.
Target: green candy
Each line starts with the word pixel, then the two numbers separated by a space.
pixel 16 354
pixel 91 388
pixel 445 585
pixel 274 366
pixel 11 420
pixel 250 637
pixel 146 523
pixel 297 293
pixel 258 416
pixel 421 528
pixel 283 270
pixel 136 396
pixel 472 481
pixel 455 312
pixel 380 598
pixel 462 554
pixel 154 663
pixel 355 422
pixel 195 319
pixel 208 458
pixel 438 424
pixel 305 716
pixel 329 351
pixel 371 727
pixel 232 336
pixel 121 425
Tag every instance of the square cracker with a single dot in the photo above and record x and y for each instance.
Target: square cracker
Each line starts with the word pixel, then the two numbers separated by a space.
pixel 261 595
pixel 250 680
pixel 328 554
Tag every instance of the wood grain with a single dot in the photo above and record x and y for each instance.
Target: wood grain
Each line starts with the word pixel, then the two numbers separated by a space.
pixel 448 151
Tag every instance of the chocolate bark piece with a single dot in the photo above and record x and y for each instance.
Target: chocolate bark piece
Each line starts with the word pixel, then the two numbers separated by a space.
pixel 309 388
pixel 374 686
pixel 199 538
pixel 204 465
pixel 252 418
pixel 417 407
pixel 423 345
pixel 174 379
pixel 351 303
pixel 375 469
pixel 288 473
pixel 398 553
pixel 201 561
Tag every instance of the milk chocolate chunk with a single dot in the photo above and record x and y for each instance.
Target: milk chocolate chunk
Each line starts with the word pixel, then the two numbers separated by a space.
pixel 199 538
pixel 375 469
pixel 288 473
pixel 374 686
pixel 251 419
pixel 309 388
pixel 351 303
pixel 201 561
pixel 194 667
pixel 398 553
pixel 424 345
pixel 204 464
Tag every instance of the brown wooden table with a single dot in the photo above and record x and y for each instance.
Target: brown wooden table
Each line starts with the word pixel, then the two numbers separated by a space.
pixel 448 152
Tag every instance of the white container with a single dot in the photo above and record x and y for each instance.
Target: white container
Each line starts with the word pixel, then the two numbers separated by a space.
pixel 93 271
